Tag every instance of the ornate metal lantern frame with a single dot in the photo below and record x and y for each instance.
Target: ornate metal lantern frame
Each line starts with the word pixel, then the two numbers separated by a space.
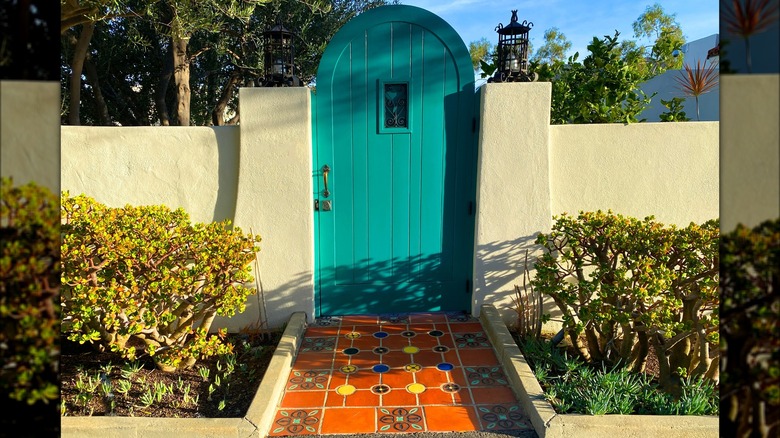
pixel 512 52
pixel 279 58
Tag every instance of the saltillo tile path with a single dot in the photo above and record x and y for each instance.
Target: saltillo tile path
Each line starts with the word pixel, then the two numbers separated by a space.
pixel 431 372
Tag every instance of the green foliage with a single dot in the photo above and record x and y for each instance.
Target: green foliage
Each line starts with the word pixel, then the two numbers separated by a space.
pixel 604 88
pixel 667 37
pixel 555 47
pixel 750 330
pixel 29 292
pixel 573 386
pixel 480 51
pixel 623 284
pixel 145 277
pixel 675 113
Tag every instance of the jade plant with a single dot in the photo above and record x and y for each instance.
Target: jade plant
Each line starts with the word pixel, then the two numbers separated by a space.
pixel 29 289
pixel 750 330
pixel 623 285
pixel 145 279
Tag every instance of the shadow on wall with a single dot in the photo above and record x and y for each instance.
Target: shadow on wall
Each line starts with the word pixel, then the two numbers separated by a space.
pixel 227 178
pixel 499 267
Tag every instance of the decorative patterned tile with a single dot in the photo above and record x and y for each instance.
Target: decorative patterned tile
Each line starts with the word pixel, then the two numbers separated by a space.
pixel 394 318
pixel 471 340
pixel 296 422
pixel 486 376
pixel 503 417
pixel 307 380
pixel 400 419
pixel 318 344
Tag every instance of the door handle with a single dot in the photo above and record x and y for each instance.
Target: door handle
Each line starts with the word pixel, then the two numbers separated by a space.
pixel 325 170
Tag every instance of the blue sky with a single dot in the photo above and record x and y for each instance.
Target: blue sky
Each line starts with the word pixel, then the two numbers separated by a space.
pixel 578 20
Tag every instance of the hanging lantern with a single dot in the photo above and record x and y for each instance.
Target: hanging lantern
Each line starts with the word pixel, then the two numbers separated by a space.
pixel 512 52
pixel 278 58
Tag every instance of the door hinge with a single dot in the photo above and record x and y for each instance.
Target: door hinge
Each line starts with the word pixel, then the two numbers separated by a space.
pixel 468 286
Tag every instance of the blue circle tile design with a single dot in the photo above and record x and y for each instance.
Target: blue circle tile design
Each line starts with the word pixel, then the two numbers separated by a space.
pixel 441 349
pixel 380 335
pixel 381 368
pixel 436 333
pixel 350 351
pixel 408 334
pixel 381 350
pixel 445 366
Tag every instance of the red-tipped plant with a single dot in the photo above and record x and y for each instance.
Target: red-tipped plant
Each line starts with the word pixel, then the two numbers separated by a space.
pixel 697 81
pixel 748 17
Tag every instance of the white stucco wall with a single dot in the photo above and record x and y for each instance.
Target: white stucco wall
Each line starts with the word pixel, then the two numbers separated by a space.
pixel 513 188
pixel 750 149
pixel 668 170
pixel 30 132
pixel 275 198
pixel 195 168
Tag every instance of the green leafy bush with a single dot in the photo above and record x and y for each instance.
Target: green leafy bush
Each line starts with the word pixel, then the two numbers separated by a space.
pixel 573 386
pixel 29 290
pixel 750 330
pixel 623 285
pixel 146 277
pixel 675 113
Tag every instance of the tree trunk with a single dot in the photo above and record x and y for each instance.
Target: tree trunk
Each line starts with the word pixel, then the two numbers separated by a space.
pixel 92 77
pixel 181 75
pixel 218 114
pixel 77 66
pixel 162 88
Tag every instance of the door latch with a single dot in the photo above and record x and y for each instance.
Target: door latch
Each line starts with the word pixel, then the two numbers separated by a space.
pixel 326 205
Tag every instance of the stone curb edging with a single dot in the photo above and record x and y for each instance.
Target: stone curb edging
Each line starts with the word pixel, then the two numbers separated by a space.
pixel 255 423
pixel 549 424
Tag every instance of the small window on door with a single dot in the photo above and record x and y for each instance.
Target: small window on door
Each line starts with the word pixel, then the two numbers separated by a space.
pixel 394 112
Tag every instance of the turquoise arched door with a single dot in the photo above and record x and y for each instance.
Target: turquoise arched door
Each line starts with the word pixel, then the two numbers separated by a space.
pixel 394 122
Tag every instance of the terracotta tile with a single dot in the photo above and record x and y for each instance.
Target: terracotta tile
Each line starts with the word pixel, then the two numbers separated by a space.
pixel 428 358
pixel 314 332
pixel 393 329
pixel 457 376
pixel 415 318
pixel 296 422
pixel 334 399
pixel 303 399
pixel 451 418
pixel 431 377
pixel 359 320
pixel 462 397
pixel 399 397
pixel 503 417
pixel 364 359
pixel 435 396
pixel 363 379
pixel 363 343
pixel 397 359
pixel 397 378
pixel 493 395
pixel 481 356
pixel 395 342
pixel 421 329
pixel 466 327
pixel 363 397
pixel 425 341
pixel 348 420
pixel 400 419
pixel 313 361
pixel 446 340
pixel 337 379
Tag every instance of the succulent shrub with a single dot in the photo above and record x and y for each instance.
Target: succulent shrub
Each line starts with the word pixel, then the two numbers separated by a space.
pixel 29 292
pixel 624 284
pixel 750 330
pixel 145 277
